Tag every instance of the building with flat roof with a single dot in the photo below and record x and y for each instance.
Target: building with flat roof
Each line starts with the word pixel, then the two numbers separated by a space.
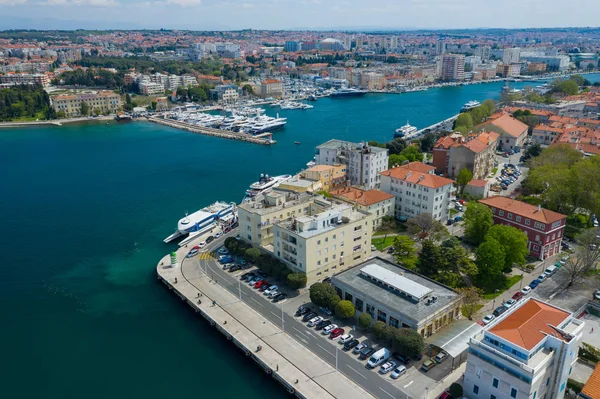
pixel 331 177
pixel 375 202
pixel 364 163
pixel 326 239
pixel 453 67
pixel 418 190
pixel 397 296
pixel 526 353
pixel 544 228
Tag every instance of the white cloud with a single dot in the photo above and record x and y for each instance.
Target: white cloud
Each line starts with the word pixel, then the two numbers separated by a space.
pixel 93 3
pixel 12 2
pixel 184 3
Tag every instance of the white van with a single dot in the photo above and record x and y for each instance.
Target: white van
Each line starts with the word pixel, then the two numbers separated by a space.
pixel 550 270
pixel 378 357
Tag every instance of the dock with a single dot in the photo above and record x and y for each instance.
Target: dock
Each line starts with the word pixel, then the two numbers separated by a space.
pixel 301 372
pixel 435 126
pixel 264 139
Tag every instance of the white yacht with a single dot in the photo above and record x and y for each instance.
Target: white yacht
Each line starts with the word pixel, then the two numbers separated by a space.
pixel 405 131
pixel 204 220
pixel 266 182
pixel 470 105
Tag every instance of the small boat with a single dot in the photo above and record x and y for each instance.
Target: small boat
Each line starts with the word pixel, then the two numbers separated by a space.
pixel 296 142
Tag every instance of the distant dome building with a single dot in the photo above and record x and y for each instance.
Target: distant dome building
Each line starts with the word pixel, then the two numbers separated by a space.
pixel 331 44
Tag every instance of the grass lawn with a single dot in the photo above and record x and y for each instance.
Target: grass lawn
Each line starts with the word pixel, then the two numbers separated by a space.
pixel 509 282
pixel 381 244
pixel 453 212
pixel 476 310
pixel 494 171
pixel 39 116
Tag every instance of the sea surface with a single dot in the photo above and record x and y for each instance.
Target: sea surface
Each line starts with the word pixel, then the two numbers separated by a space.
pixel 84 210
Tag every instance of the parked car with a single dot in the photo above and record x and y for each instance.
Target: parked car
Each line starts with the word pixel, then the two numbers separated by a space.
pixel 358 348
pixel 373 248
pixel 273 294
pixel 260 283
pixel 210 239
pixel 402 359
pixel 509 303
pixel 225 259
pixel 398 371
pixel 326 311
pixel 499 310
pixel 308 316
pixel 428 365
pixel 526 290
pixel 387 367
pixel 242 262
pixel 488 319
pixel 597 294
pixel 541 278
pixel 534 284
pixel 351 344
pixel 445 395
pixel 314 321
pixel 518 295
pixel 302 310
pixel 192 253
pixel 270 289
pixel 322 324
pixel 346 338
pixel 336 333
pixel 246 276
pixel 218 235
pixel 279 297
pixel 366 353
pixel 328 329
pixel 234 268
pixel 440 357
pixel 223 251
pixel 327 280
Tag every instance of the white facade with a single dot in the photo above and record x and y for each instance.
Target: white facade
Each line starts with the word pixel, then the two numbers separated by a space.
pixel 418 192
pixel 511 55
pixel 499 367
pixel 364 163
pixel 151 88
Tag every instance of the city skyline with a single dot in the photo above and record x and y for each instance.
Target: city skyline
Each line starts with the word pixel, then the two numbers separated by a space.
pixel 287 14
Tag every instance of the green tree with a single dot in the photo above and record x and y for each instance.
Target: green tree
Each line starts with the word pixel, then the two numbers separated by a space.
pixel 378 329
pixel 430 258
pixel 471 300
pixel 412 153
pixel 456 263
pixel 364 320
pixel 490 105
pixel 513 242
pixel 396 146
pixel 489 257
pixel 427 142
pixel 248 89
pixel 333 301
pixel 585 258
pixel 478 219
pixel 321 294
pixel 252 254
pixel 463 178
pixel 296 280
pixel 456 390
pixel 388 224
pixel 464 121
pixel 404 249
pixel 532 151
pixel 85 109
pixel 344 309
pixel 408 342
pixel 61 114
pixel 396 160
pixel 425 226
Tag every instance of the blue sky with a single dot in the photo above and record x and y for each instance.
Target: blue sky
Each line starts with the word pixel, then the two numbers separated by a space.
pixel 290 14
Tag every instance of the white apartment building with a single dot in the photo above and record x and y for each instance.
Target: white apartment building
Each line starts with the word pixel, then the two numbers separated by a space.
pixel 230 96
pixel 511 55
pixel 418 190
pixel 452 67
pixel 258 215
pixel 326 240
pixel 151 88
pixel 527 353
pixel 364 163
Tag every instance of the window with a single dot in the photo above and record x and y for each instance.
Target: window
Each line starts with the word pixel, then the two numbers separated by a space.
pixel 535 395
pixel 501 213
pixel 548 381
pixel 562 387
pixel 527 222
pixel 495 383
pixel 509 215
pixel 475 389
pixel 358 304
pixel 513 392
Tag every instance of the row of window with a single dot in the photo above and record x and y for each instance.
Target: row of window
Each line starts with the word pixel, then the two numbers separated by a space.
pixel 518 219
pixel 513 391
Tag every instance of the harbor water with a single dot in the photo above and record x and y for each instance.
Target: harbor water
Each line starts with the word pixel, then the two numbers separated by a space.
pixel 85 209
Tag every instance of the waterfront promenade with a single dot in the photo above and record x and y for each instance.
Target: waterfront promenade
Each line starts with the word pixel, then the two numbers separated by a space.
pixel 298 370
pixel 264 139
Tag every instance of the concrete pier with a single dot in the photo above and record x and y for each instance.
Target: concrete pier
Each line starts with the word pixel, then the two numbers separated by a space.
pixel 301 372
pixel 207 131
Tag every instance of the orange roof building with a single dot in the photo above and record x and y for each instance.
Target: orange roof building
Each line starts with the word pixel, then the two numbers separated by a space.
pixel 526 352
pixel 512 131
pixel 475 152
pixel 544 228
pixel 377 203
pixel 591 389
pixel 418 190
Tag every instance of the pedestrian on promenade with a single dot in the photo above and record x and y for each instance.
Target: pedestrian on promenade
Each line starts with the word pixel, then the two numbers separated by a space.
pixel 277 368
pixel 214 303
pixel 592 330
pixel 175 280
pixel 199 302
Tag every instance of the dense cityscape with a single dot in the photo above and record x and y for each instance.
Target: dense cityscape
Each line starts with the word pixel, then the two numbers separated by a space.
pixel 420 220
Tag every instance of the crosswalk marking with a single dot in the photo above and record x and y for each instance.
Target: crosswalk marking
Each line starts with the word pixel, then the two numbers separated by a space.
pixel 206 256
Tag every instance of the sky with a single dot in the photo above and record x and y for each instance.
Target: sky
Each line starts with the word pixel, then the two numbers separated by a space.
pixel 295 14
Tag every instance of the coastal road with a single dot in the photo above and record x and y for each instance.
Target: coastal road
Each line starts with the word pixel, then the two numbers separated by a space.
pixel 329 351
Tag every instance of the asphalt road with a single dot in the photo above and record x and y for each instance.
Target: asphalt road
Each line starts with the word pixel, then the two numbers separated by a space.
pixel 329 351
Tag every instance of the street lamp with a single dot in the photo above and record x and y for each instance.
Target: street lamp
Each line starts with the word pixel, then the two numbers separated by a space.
pixel 494 302
pixel 521 285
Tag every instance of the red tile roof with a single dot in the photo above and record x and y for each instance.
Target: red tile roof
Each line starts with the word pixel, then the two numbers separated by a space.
pixel 528 325
pixel 478 183
pixel 362 197
pixel 418 173
pixel 506 124
pixel 592 387
pixel 522 209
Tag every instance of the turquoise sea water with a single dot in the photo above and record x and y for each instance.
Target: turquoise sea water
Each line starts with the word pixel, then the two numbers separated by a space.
pixel 84 210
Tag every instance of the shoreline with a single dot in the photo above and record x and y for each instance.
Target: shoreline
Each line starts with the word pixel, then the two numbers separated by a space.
pixel 57 122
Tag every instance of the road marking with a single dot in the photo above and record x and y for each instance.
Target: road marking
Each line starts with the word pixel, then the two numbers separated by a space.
pixel 387 392
pixel 300 332
pixel 409 384
pixel 352 368
pixel 325 350
pixel 276 315
pixel 303 340
pixel 259 304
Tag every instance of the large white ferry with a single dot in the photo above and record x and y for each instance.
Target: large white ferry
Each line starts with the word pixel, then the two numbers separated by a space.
pixel 265 182
pixel 405 131
pixel 204 220
pixel 470 105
